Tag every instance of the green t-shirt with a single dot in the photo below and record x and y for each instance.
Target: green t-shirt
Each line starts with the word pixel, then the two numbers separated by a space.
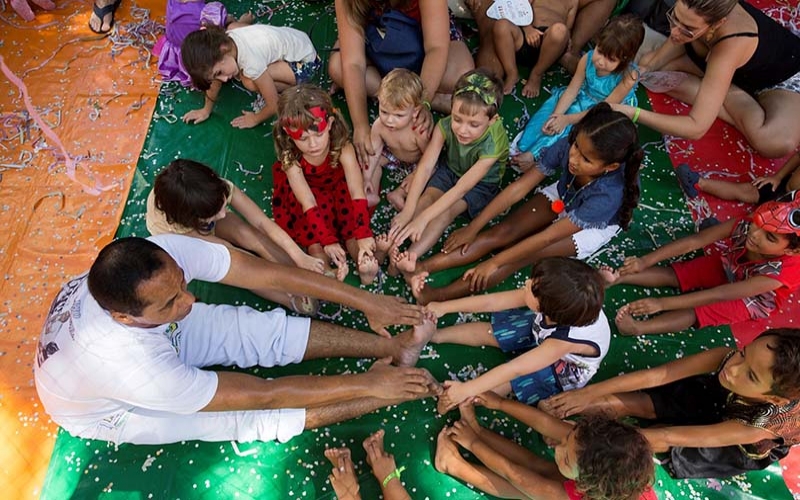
pixel 461 157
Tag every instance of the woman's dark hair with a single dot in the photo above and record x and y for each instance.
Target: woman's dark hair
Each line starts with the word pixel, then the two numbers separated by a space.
pixel 785 344
pixel 189 193
pixel 615 461
pixel 119 269
pixel 569 291
pixel 711 10
pixel 615 140
pixel 621 39
pixel 201 50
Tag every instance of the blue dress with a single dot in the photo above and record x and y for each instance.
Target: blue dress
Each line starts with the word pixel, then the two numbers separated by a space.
pixel 595 89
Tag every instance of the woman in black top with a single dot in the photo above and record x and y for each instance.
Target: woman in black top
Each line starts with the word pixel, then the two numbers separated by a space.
pixel 740 66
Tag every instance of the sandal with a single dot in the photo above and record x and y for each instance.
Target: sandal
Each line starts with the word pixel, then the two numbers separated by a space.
pixel 688 180
pixel 101 13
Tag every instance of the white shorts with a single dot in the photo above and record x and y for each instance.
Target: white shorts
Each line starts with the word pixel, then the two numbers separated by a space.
pixel 221 335
pixel 586 241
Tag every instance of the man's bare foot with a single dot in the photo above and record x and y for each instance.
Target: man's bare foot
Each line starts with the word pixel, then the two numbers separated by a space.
pixel 510 82
pixel 406 262
pixel 108 9
pixel 413 341
pixel 625 322
pixel 382 246
pixel 397 198
pixel 532 86
pixel 609 275
pixel 382 463
pixel 448 460
pixel 343 476
pixel 367 269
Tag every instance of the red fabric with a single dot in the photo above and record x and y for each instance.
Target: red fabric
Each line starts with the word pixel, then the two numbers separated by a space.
pixel 703 273
pixel 572 492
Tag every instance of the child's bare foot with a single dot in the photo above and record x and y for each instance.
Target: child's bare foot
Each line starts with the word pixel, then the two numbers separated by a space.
pixel 609 275
pixel 448 460
pixel 625 322
pixel 247 18
pixel 382 246
pixel 510 82
pixel 367 269
pixel 397 198
pixel 467 410
pixel 342 271
pixel 532 86
pixel 394 256
pixel 413 341
pixel 417 284
pixel 406 262
pixel 382 463
pixel 343 476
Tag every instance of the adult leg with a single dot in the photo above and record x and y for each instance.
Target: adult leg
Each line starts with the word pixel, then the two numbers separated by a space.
pixel 459 61
pixel 486 57
pixel 508 39
pixel 770 123
pixel 473 334
pixel 108 9
pixel 554 42
pixel 670 321
pixel 371 77
pixel 592 16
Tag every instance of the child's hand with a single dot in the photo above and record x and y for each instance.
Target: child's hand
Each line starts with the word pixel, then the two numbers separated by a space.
pixel 632 265
pixel 399 222
pixel 336 254
pixel 460 238
pixel 196 116
pixel 488 399
pixel 523 161
pixel 413 230
pixel 555 124
pixel 366 246
pixel 567 403
pixel 532 35
pixel 451 397
pixel 312 264
pixel 436 308
pixel 247 120
pixel 462 434
pixel 479 276
pixel 771 180
pixel 642 307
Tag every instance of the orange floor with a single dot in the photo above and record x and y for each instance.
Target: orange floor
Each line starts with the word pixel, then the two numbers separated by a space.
pixel 100 107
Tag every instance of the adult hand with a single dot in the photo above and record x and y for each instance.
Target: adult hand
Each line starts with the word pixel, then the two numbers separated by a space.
pixel 362 142
pixel 567 403
pixel 196 116
pixel 479 275
pixel 22 8
pixel 385 310
pixel 771 180
pixel 248 119
pixel 392 382
pixel 460 238
pixel 523 161
pixel 423 122
pixel 632 265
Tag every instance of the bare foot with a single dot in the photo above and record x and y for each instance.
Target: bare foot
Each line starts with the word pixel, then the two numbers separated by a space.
pixel 394 256
pixel 609 275
pixel 382 246
pixel 343 476
pixel 397 198
pixel 367 269
pixel 342 271
pixel 569 61
pixel 417 284
pixel 510 82
pixel 413 341
pixel 247 18
pixel 625 322
pixel 532 86
pixel 447 459
pixel 382 463
pixel 406 262
pixel 467 409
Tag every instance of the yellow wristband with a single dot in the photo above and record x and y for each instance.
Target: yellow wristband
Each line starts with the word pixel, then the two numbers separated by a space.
pixel 636 115
pixel 394 474
pixel 427 105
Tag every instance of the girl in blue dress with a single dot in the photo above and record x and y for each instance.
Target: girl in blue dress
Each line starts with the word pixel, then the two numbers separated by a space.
pixel 606 73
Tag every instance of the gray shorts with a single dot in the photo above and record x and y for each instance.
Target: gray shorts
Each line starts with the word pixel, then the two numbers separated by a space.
pixel 476 198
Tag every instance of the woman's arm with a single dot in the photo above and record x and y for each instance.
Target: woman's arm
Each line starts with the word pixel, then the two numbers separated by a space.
pixel 727 433
pixel 657 59
pixel 435 21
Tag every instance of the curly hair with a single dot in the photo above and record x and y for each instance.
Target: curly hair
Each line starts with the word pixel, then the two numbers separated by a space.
pixel 569 291
pixel 400 89
pixel 189 193
pixel 616 140
pixel 785 344
pixel 293 111
pixel 620 40
pixel 201 50
pixel 615 461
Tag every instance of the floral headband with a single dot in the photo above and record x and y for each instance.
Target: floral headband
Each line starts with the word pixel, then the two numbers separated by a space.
pixel 319 125
pixel 481 85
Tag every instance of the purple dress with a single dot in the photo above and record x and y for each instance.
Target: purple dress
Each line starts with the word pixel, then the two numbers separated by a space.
pixel 183 17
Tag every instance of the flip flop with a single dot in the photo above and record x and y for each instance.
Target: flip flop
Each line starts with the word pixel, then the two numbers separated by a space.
pixel 101 13
pixel 688 179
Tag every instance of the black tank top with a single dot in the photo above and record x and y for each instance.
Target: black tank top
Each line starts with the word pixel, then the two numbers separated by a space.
pixel 776 59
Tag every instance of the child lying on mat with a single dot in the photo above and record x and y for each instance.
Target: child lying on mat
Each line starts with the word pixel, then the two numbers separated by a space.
pixel 598 458
pixel 266 59
pixel 555 320
pixel 757 269
pixel 729 411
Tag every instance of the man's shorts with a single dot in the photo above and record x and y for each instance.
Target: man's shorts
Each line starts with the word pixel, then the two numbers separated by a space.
pixel 476 198
pixel 703 273
pixel 586 241
pixel 305 71
pixel 512 330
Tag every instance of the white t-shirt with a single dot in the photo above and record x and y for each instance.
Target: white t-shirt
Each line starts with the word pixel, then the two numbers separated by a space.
pixel 90 368
pixel 259 45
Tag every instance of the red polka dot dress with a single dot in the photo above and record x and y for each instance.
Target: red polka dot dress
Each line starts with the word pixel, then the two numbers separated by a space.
pixel 336 218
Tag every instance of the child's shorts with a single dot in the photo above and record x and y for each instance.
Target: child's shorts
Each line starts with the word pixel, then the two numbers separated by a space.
pixel 393 162
pixel 586 241
pixel 703 273
pixel 477 198
pixel 305 71
pixel 512 329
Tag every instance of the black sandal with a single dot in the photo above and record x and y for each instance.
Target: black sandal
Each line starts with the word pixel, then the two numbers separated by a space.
pixel 101 13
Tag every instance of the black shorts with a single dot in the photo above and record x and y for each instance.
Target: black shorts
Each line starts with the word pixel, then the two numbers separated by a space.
pixel 765 193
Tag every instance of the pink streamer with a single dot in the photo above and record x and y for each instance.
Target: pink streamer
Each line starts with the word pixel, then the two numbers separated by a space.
pixel 68 161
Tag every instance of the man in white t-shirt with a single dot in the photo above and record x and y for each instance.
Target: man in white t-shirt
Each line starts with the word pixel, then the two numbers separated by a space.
pixel 122 352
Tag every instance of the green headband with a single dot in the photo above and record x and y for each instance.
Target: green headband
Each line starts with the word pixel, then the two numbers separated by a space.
pixel 480 84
